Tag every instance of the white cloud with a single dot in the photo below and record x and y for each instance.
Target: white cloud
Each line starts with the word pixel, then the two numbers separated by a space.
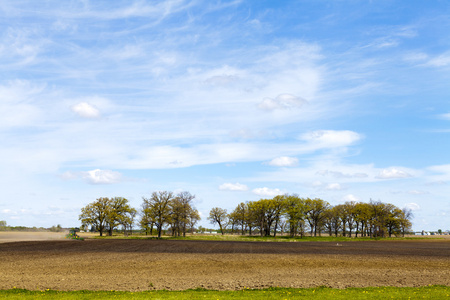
pixel 284 161
pixel 412 206
pixel 233 187
pixel 267 192
pixel 86 110
pixel 392 173
pixel 351 198
pixel 331 138
pixel 440 169
pixel 333 187
pixel 341 174
pixel 98 176
pixel 282 101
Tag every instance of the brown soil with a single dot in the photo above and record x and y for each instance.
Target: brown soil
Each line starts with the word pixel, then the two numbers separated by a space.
pixel 175 265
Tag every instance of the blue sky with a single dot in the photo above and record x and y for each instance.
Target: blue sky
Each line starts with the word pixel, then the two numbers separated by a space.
pixel 231 100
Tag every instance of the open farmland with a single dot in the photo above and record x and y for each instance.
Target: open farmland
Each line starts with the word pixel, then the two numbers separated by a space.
pixel 176 265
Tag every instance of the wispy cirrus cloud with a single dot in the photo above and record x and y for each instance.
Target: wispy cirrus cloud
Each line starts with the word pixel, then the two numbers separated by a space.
pixel 445 116
pixel 442 60
pixel 283 101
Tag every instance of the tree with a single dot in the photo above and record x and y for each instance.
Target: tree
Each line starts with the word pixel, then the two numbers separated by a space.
pixel 405 220
pixel 146 222
pixel 277 205
pixel 185 200
pixel 157 209
pixel 193 218
pixel 392 220
pixel 377 218
pixel 57 228
pixel 332 220
pixel 119 212
pixel 96 214
pixel 258 213
pixel 127 221
pixel 218 216
pixel 241 215
pixel 340 213
pixel 315 213
pixel 350 209
pixel 2 225
pixel 294 211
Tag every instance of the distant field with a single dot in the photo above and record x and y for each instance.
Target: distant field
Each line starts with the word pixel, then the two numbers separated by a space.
pixel 140 265
pixel 17 236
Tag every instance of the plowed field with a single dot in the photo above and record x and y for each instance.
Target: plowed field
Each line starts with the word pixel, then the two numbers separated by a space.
pixel 170 264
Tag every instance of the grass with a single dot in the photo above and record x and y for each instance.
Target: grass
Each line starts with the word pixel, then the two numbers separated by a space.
pixel 255 238
pixel 427 292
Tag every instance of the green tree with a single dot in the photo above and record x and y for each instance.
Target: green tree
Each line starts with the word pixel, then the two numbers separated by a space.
pixel 278 206
pixel 146 222
pixel 315 213
pixel 96 214
pixel 158 209
pixel 294 212
pixel 119 212
pixel 187 212
pixel 350 210
pixel 2 225
pixel 193 218
pixel 332 220
pixel 241 215
pixel 127 221
pixel 405 221
pixel 392 219
pixel 219 216
pixel 56 228
pixel 377 218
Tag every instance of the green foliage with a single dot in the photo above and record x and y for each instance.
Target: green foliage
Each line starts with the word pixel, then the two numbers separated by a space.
pixel 108 213
pixel 56 228
pixel 219 216
pixel 272 216
pixel 3 225
pixel 427 292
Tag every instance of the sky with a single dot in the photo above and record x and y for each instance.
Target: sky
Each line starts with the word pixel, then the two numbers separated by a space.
pixel 232 101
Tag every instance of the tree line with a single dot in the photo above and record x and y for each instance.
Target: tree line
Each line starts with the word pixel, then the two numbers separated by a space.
pixel 280 214
pixel 296 215
pixel 162 209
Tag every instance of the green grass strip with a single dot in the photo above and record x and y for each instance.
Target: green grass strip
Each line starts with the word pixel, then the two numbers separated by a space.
pixel 246 238
pixel 427 292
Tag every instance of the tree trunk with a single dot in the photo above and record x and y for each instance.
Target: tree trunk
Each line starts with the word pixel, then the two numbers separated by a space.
pixel 220 226
pixel 159 230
